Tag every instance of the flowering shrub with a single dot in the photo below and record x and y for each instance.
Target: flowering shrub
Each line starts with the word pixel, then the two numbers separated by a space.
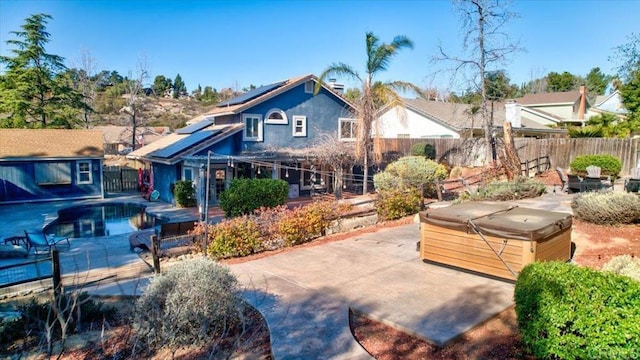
pixel 398 203
pixel 234 237
pixel 307 222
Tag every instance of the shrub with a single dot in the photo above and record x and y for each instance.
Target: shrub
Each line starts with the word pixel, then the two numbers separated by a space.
pixel 398 203
pixel 520 187
pixel 609 165
pixel 307 222
pixel 184 193
pixel 570 312
pixel 193 302
pixel 607 207
pixel 245 195
pixel 423 149
pixel 234 237
pixel 624 265
pixel 410 171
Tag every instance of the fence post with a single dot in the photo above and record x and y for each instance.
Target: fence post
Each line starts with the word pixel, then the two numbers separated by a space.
pixel 57 279
pixel 155 252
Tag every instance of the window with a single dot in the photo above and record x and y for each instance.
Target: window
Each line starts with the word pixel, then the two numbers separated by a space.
pixel 348 129
pixel 187 174
pixel 84 172
pixel 309 86
pixel 252 127
pixel 299 125
pixel 52 173
pixel 276 116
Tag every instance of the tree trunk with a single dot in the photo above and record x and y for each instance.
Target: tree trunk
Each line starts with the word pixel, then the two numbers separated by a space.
pixel 510 159
pixel 365 175
pixel 337 183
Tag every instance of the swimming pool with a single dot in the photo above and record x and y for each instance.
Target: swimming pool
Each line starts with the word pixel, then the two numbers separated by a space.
pixel 102 219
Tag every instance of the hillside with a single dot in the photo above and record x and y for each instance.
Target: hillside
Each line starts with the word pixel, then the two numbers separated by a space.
pixel 154 111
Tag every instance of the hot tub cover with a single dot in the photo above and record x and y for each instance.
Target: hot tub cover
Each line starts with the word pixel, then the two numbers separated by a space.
pixel 499 220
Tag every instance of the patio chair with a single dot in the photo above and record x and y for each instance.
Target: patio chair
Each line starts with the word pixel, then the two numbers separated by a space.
pixel 37 240
pixel 563 178
pixel 633 184
pixel 593 171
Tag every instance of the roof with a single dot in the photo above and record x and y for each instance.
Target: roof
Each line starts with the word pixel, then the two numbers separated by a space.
pixel 113 134
pixel 170 148
pixel 453 115
pixel 50 143
pixel 458 116
pixel 565 97
pixel 247 100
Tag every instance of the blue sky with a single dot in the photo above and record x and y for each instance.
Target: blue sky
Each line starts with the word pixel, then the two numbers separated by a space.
pixel 238 43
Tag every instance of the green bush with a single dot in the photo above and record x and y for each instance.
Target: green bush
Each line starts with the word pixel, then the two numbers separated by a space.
pixel 624 265
pixel 520 187
pixel 307 222
pixel 423 149
pixel 246 195
pixel 194 302
pixel 184 193
pixel 609 165
pixel 235 237
pixel 410 172
pixel 398 203
pixel 607 207
pixel 570 312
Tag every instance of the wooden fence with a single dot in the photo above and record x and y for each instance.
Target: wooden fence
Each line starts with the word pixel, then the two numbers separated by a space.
pixel 474 152
pixel 118 179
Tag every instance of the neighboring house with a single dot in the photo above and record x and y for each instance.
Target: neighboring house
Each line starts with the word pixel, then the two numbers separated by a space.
pixel 422 118
pixel 558 108
pixel 261 133
pixel 610 104
pixel 50 164
pixel 117 139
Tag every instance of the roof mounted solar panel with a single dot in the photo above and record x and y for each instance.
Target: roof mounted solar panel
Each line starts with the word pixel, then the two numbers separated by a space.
pixel 251 94
pixel 195 127
pixel 183 144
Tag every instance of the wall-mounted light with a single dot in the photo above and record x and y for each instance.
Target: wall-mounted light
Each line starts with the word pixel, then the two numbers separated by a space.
pixel 286 173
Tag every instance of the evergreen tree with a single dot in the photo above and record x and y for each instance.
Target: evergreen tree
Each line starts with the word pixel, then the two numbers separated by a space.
pixel 34 91
pixel 161 85
pixel 179 87
pixel 596 82
pixel 566 81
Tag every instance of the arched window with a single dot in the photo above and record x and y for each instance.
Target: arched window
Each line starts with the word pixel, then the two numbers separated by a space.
pixel 276 116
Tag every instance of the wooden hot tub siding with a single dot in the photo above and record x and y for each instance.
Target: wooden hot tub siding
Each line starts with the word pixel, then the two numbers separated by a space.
pixel 469 251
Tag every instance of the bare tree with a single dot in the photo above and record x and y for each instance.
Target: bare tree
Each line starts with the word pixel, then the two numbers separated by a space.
pixel 336 153
pixel 485 45
pixel 134 86
pixel 87 83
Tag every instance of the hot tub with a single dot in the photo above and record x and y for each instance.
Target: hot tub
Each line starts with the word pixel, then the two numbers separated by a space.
pixel 493 239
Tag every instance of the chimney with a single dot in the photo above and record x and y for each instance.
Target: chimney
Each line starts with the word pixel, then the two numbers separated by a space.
pixel 512 113
pixel 583 102
pixel 339 88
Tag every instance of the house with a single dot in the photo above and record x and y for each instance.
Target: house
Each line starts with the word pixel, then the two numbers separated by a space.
pixel 50 164
pixel 118 139
pixel 609 104
pixel 422 118
pixel 261 133
pixel 557 108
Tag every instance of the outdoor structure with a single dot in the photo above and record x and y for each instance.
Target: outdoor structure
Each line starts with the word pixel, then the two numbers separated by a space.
pixel 422 118
pixel 50 164
pixel 493 239
pixel 117 139
pixel 263 133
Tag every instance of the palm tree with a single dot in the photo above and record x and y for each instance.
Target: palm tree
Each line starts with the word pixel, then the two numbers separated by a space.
pixel 373 94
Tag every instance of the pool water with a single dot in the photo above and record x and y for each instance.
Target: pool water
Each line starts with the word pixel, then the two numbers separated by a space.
pixel 102 220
